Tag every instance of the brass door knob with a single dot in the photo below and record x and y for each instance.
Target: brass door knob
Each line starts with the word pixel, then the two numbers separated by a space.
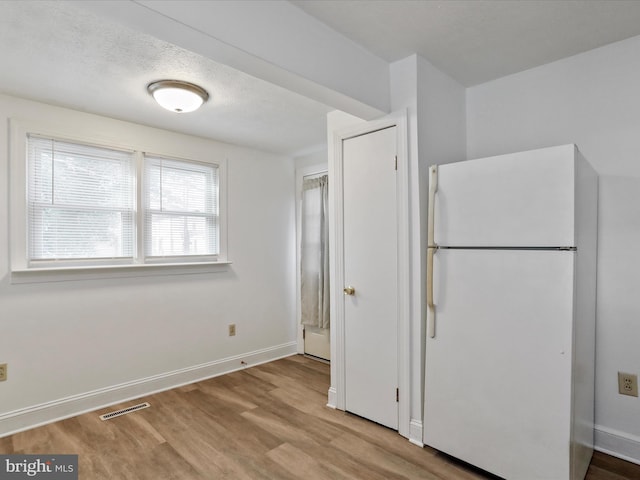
pixel 349 291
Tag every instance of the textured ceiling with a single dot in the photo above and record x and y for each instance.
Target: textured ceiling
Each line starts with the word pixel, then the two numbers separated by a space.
pixel 59 54
pixel 475 41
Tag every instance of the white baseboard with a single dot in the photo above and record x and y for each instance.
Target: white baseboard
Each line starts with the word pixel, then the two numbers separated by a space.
pixel 34 416
pixel 415 432
pixel 617 444
pixel 332 398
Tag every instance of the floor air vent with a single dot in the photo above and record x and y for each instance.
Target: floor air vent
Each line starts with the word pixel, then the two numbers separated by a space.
pixel 124 411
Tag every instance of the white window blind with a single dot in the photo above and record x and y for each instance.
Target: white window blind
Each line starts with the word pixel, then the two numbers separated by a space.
pixel 80 201
pixel 181 208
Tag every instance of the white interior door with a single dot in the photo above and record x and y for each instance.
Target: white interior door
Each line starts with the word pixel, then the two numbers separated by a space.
pixel 371 269
pixel 498 371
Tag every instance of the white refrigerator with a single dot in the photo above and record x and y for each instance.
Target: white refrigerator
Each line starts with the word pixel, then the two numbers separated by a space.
pixel 511 291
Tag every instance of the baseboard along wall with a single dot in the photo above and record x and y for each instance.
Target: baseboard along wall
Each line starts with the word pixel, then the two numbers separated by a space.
pixel 617 444
pixel 36 415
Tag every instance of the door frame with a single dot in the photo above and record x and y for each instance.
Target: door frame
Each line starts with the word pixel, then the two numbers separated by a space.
pixel 337 390
pixel 317 169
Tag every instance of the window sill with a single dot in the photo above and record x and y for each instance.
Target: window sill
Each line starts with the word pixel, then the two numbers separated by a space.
pixel 99 272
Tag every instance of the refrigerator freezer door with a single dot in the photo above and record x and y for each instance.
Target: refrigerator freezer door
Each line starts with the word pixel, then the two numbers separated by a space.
pixel 498 372
pixel 518 200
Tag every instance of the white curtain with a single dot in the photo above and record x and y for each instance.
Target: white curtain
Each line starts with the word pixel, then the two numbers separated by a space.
pixel 314 264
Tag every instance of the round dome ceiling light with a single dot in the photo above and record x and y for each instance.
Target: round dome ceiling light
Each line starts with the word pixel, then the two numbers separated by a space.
pixel 178 96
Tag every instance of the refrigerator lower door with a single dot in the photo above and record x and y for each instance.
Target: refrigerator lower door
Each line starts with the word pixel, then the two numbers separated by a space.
pixel 498 371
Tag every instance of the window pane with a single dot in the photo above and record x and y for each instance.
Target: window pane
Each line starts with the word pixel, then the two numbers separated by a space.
pixel 91 182
pixel 184 191
pixel 181 216
pixel 59 233
pixel 181 235
pixel 81 201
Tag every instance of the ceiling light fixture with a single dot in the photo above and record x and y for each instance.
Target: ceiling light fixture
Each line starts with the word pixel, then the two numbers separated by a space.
pixel 178 96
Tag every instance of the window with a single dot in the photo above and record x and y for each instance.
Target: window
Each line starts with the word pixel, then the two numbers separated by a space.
pixel 80 201
pixel 87 206
pixel 181 208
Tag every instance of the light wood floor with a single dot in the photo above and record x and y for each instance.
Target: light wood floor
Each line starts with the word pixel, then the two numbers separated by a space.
pixel 265 422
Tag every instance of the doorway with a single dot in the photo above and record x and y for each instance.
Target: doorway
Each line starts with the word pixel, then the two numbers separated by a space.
pixel 314 264
pixel 370 368
pixel 371 276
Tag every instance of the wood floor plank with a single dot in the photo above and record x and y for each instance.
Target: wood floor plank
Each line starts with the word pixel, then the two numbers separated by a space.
pixel 253 439
pixel 615 465
pixel 290 378
pixel 265 422
pixel 6 444
pixel 320 366
pixel 597 473
pixel 304 465
pixel 285 431
pixel 369 453
pixel 232 398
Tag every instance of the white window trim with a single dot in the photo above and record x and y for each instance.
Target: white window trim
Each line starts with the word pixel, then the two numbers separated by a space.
pixel 21 272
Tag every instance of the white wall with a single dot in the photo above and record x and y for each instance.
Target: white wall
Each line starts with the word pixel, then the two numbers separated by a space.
pixel 435 106
pixel 75 338
pixel 317 158
pixel 404 97
pixel 441 139
pixel 592 100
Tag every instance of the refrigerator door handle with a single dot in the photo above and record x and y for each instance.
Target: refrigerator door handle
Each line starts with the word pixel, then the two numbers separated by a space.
pixel 431 309
pixel 432 247
pixel 433 188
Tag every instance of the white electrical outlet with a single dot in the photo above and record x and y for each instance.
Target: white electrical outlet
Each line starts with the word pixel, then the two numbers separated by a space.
pixel 628 384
